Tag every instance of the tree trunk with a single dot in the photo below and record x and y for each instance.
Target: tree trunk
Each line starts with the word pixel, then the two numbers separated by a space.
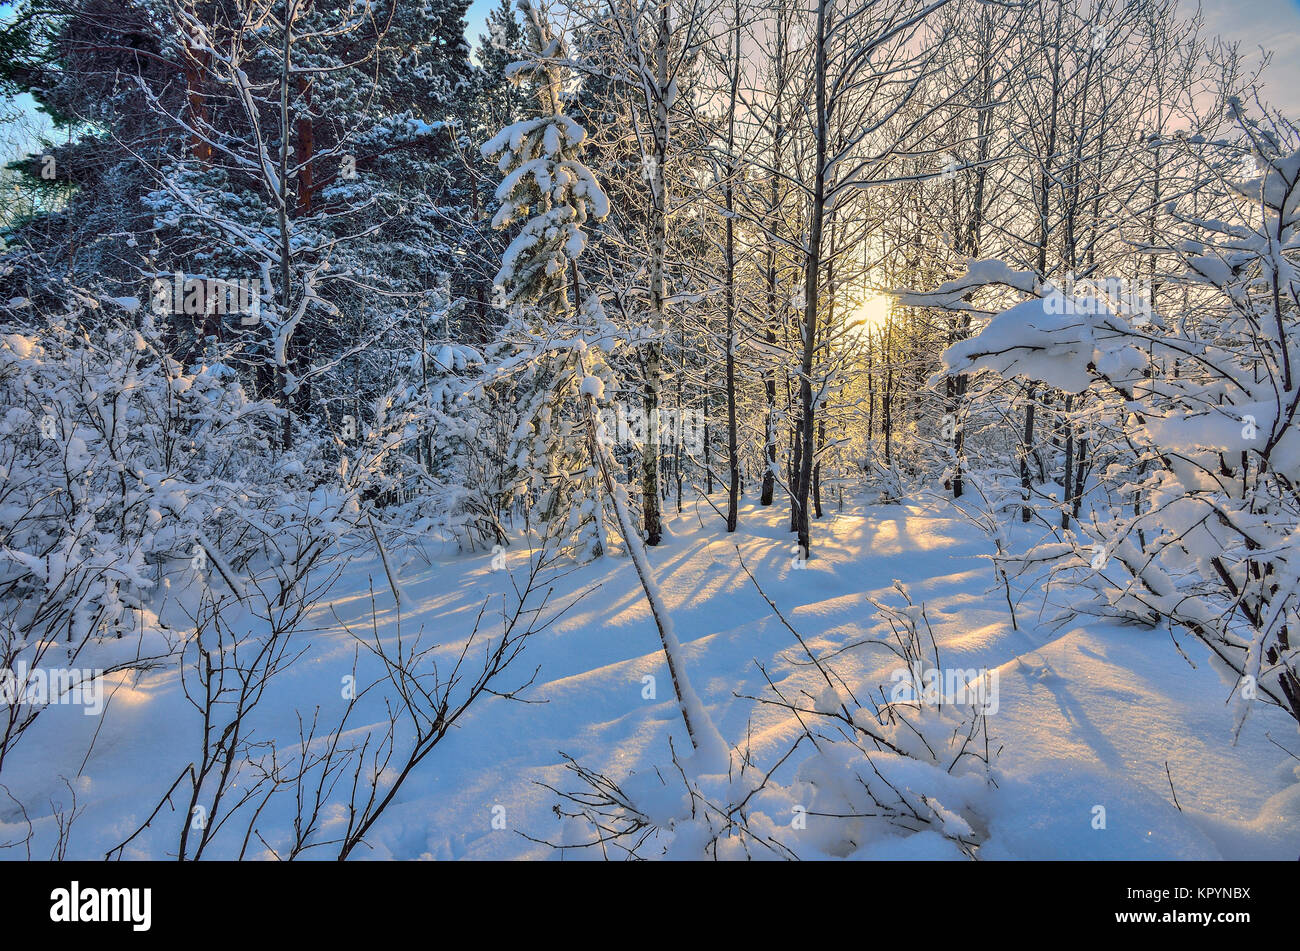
pixel 812 270
pixel 650 480
pixel 768 489
pixel 733 451
pixel 1026 448
pixel 1067 477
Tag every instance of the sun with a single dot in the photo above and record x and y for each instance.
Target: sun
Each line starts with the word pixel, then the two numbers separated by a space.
pixel 872 313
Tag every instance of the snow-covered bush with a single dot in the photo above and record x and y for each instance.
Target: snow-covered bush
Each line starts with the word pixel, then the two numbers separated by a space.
pixel 130 482
pixel 1197 517
pixel 149 518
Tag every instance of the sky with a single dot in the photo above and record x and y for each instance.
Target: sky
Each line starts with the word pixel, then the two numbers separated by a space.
pixel 1273 25
pixel 478 11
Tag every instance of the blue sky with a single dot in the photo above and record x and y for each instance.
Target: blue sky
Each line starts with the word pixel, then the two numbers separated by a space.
pixel 1272 24
pixel 478 11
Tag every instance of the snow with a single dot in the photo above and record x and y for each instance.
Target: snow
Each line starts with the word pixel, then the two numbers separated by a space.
pixel 1042 339
pixel 22 346
pixel 979 274
pixel 1093 714
pixel 129 304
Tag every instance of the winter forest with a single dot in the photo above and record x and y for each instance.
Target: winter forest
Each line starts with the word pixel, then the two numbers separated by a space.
pixel 635 429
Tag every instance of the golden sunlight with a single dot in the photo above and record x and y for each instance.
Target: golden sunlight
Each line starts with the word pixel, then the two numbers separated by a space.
pixel 871 314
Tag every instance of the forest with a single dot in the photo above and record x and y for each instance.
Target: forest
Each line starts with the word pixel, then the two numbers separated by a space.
pixel 633 429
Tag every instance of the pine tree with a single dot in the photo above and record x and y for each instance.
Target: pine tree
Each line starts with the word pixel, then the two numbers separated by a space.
pixel 318 151
pixel 551 347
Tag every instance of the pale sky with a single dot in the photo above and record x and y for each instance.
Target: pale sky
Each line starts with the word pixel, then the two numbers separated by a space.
pixel 1273 25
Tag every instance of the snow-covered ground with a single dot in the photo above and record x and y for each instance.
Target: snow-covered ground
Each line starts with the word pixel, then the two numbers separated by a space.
pixel 1089 714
